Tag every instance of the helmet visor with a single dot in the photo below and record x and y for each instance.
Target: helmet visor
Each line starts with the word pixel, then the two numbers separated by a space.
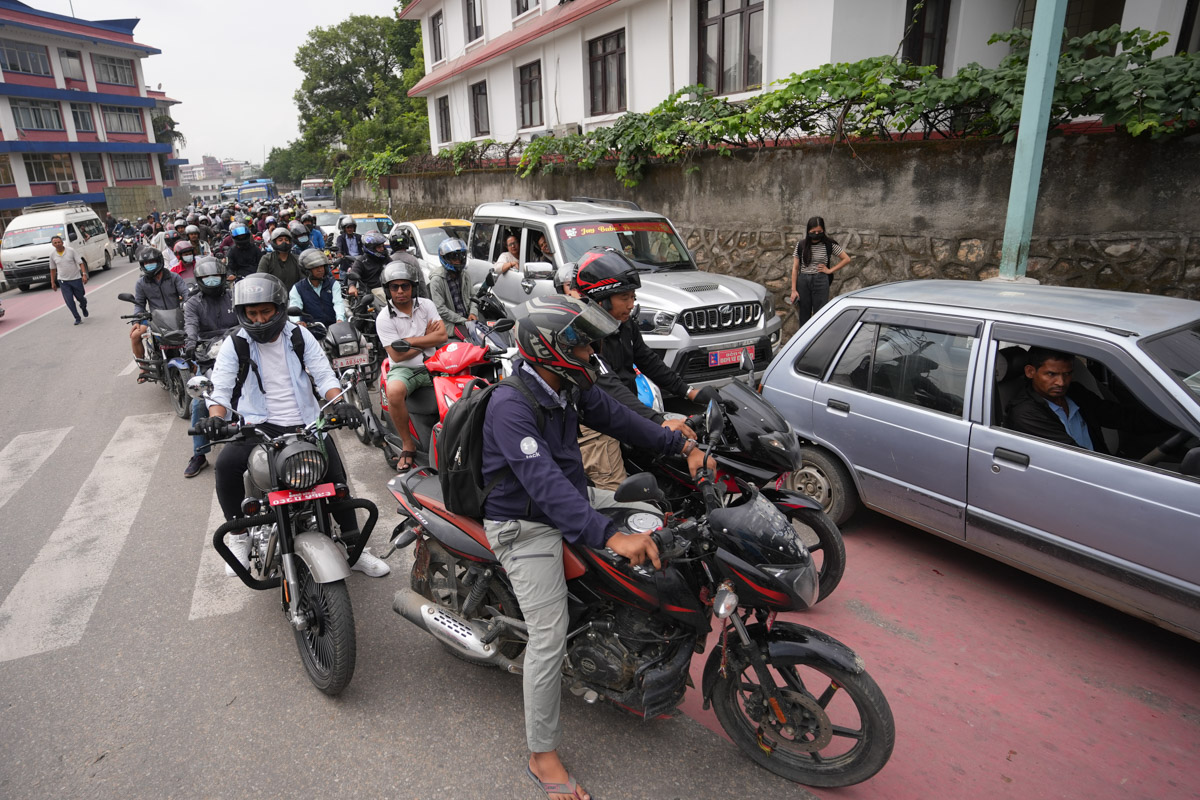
pixel 590 326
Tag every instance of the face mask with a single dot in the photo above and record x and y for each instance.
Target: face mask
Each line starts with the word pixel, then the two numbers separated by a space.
pixel 189 259
pixel 150 268
pixel 212 281
pixel 303 240
pixel 816 237
pixel 286 247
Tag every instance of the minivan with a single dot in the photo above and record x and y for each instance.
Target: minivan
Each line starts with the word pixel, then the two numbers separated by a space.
pixel 25 248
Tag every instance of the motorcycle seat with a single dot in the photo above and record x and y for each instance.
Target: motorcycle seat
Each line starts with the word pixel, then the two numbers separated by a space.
pixel 423 402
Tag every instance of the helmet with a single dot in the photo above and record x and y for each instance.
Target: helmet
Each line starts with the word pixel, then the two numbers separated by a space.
pixel 308 217
pixel 372 240
pixel 147 229
pixel 564 277
pixel 400 271
pixel 453 254
pixel 170 236
pixel 125 222
pixel 193 219
pixel 298 231
pixel 346 221
pixel 281 232
pixel 269 220
pixel 313 259
pixel 190 229
pixel 179 222
pixel 261 287
pixel 184 248
pixel 604 272
pixel 553 326
pixel 210 274
pixel 226 216
pixel 150 259
pixel 240 234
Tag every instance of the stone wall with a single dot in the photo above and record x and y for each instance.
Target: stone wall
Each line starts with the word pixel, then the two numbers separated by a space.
pixel 1113 212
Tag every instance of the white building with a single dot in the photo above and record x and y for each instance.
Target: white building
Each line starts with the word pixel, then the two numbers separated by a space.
pixel 501 69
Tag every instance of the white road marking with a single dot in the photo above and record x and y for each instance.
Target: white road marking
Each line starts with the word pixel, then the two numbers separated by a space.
pixel 129 368
pixel 216 593
pixel 52 602
pixel 23 456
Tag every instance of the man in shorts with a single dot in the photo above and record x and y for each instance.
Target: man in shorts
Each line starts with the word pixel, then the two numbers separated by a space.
pixel 416 321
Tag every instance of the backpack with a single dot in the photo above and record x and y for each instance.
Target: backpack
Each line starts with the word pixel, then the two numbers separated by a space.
pixel 242 348
pixel 460 447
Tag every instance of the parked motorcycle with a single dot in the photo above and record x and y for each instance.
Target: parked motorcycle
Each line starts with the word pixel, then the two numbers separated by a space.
pixel 163 343
pixel 293 544
pixel 794 699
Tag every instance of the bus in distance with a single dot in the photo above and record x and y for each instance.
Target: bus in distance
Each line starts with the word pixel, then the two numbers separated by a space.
pixel 317 192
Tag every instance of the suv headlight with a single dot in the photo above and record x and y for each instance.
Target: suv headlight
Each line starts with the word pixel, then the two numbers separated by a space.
pixel 769 307
pixel 654 320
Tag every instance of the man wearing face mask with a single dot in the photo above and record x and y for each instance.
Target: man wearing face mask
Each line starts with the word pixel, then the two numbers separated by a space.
pixel 243 254
pixel 280 262
pixel 206 315
pixel 158 288
pixel 300 236
pixel 811 269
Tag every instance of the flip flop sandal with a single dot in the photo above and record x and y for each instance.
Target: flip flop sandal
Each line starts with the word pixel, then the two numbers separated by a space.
pixel 410 456
pixel 568 788
pixel 144 376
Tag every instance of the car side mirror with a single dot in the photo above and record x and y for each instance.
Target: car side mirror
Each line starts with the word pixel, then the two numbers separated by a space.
pixel 639 488
pixel 539 270
pixel 126 296
pixel 1191 462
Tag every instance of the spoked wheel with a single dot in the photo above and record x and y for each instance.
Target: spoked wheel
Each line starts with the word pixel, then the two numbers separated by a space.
pixel 177 388
pixel 444 586
pixel 327 645
pixel 361 399
pixel 828 549
pixel 837 730
pixel 823 478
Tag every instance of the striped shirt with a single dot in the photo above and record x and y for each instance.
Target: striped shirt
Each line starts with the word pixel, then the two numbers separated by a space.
pixel 820 256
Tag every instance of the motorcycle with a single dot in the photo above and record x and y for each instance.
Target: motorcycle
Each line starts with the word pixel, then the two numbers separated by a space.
pixel 127 245
pixel 163 343
pixel 293 545
pixel 794 699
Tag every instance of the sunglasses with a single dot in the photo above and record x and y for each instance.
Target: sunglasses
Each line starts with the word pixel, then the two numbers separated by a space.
pixel 400 287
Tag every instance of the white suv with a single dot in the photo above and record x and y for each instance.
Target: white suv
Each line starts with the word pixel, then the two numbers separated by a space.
pixel 697 321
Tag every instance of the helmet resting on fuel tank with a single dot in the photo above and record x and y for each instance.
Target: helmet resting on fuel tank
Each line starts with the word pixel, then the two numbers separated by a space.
pixel 604 272
pixel 256 289
pixel 553 326
pixel 210 274
pixel 453 254
pixel 313 259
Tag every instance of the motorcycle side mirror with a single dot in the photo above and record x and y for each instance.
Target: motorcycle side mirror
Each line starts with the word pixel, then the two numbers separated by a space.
pixel 640 488
pixel 349 376
pixel 714 421
pixel 126 296
pixel 295 311
pixel 199 387
pixel 747 365
pixel 489 281
pixel 400 346
pixel 503 325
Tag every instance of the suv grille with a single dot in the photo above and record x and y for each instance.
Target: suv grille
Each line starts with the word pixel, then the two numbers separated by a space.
pixel 725 317
pixel 694 364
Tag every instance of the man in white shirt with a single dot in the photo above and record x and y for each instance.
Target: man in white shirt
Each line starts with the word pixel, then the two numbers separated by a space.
pixel 416 321
pixel 68 272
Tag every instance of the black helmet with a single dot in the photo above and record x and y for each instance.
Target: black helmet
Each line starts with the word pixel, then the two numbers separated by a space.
pixel 147 229
pixel 556 324
pixel 261 287
pixel 150 259
pixel 210 274
pixel 193 219
pixel 308 217
pixel 604 272
pixel 313 259
pixel 240 233
pixel 170 236
pixel 298 231
pixel 372 240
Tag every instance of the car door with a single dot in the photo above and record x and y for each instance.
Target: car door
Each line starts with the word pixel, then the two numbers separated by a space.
pixel 893 409
pixel 1100 523
pixel 516 286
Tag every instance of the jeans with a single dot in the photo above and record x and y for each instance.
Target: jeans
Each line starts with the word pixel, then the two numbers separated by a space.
pixel 813 291
pixel 70 291
pixel 200 444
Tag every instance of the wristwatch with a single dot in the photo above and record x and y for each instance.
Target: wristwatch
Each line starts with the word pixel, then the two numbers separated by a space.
pixel 688 446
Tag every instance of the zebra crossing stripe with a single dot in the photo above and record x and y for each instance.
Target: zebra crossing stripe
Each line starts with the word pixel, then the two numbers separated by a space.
pixel 129 368
pixel 52 602
pixel 215 592
pixel 23 456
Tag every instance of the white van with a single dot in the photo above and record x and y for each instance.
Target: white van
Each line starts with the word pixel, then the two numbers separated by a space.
pixel 25 248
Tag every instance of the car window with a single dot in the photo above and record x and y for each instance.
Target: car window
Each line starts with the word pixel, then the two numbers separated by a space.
pixel 432 238
pixel 815 358
pixel 1178 353
pixel 91 227
pixel 72 233
pixel 535 252
pixel 925 368
pixel 481 240
pixel 653 244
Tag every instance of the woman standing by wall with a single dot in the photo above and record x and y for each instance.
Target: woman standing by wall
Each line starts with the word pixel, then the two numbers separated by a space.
pixel 811 269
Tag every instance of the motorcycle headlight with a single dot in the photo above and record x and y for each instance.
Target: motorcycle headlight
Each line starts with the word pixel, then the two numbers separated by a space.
pixel 654 320
pixel 300 466
pixel 347 348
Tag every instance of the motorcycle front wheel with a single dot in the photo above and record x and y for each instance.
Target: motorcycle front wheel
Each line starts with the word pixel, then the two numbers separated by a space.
pixel 361 399
pixel 177 388
pixel 327 645
pixel 839 729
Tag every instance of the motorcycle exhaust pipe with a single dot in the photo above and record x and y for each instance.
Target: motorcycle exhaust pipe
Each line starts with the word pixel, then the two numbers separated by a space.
pixel 451 629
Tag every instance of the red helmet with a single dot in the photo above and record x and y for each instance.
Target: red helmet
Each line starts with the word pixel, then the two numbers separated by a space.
pixel 555 325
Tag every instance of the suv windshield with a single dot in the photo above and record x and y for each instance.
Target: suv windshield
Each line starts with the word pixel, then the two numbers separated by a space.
pixel 652 244
pixel 433 237
pixel 19 237
pixel 1179 354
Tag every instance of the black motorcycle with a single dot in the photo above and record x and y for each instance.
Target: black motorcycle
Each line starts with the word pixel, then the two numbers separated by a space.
pixel 163 344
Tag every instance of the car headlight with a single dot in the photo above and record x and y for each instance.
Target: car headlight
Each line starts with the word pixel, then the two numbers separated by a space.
pixel 654 320
pixel 769 306
pixel 300 466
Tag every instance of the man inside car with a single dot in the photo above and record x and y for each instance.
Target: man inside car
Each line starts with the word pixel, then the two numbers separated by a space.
pixel 1051 407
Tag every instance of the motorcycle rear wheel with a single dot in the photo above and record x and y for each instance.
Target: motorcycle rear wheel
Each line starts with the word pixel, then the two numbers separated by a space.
pixel 830 547
pixel 361 399
pixel 819 751
pixel 327 645
pixel 177 388
pixel 444 584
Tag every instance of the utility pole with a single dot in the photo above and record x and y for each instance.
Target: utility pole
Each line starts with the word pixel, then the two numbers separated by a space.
pixel 1044 50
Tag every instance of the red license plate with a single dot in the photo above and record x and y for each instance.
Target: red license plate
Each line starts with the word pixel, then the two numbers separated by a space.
pixel 284 497
pixel 722 358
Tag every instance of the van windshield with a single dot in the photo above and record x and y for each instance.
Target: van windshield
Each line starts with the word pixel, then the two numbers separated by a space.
pixel 652 244
pixel 20 237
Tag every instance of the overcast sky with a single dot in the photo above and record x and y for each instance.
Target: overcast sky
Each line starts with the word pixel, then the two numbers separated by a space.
pixel 229 64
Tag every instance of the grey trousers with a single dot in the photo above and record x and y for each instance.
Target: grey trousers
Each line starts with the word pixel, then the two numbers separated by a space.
pixel 532 555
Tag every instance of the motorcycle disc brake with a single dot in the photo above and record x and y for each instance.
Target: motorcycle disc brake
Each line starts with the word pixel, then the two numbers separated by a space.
pixel 815 723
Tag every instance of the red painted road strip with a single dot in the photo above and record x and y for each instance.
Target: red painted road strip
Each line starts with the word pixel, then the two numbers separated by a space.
pixel 1003 685
pixel 21 308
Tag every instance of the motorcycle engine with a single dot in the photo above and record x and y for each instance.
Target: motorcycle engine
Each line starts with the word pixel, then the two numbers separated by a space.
pixel 620 643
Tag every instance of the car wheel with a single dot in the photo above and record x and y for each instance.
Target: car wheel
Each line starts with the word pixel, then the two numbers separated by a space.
pixel 823 478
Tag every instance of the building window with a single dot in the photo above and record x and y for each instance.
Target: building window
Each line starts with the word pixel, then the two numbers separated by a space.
pixel 443 118
pixel 479 108
pixel 474 19
pixel 72 64
pixel 122 119
pixel 520 7
pixel 49 168
pixel 530 78
pixel 1189 31
pixel 37 115
pixel 1083 16
pixel 437 32
pixel 731 45
pixel 131 168
pixel 114 70
pixel 6 176
pixel 82 114
pixel 606 65
pixel 93 167
pixel 927 30
pixel 30 59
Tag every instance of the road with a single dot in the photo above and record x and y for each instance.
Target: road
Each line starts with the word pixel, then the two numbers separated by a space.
pixel 131 667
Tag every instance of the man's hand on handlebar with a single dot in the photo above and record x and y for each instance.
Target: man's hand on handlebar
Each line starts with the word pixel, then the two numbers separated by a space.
pixel 213 428
pixel 637 547
pixel 696 461
pixel 681 426
pixel 344 414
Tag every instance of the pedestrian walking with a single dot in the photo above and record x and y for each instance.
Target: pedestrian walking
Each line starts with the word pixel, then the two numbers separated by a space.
pixel 68 273
pixel 811 269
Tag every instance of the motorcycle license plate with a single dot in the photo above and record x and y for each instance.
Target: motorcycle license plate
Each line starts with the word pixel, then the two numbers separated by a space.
pixel 721 358
pixel 283 497
pixel 350 361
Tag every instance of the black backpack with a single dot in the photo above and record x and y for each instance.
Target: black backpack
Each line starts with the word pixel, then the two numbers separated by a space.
pixel 245 364
pixel 460 447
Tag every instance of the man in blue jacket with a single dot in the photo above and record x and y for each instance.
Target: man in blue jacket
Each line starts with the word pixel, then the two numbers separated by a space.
pixel 544 497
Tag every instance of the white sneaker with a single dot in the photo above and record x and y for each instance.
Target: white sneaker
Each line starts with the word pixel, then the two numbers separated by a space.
pixel 371 565
pixel 239 545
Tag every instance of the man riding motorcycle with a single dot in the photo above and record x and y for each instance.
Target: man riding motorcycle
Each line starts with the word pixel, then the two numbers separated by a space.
pixel 300 236
pixel 450 287
pixel 349 243
pixel 280 261
pixel 318 293
pixel 206 314
pixel 367 270
pixel 158 288
pixel 314 232
pixel 243 255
